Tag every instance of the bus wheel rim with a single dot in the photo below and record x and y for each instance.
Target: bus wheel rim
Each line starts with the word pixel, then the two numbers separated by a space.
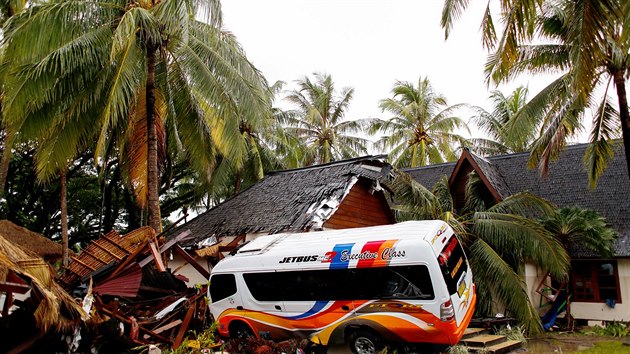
pixel 364 346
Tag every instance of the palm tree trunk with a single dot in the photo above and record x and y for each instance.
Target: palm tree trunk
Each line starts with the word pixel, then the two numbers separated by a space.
pixel 624 115
pixel 64 218
pixel 152 161
pixel 237 183
pixel 4 167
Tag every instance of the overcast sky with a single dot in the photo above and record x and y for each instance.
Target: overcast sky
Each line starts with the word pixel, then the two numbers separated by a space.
pixel 367 45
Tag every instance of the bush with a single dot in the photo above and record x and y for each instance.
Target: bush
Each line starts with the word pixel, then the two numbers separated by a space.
pixel 612 329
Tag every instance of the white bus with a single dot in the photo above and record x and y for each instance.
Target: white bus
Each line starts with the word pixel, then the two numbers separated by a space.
pixel 407 282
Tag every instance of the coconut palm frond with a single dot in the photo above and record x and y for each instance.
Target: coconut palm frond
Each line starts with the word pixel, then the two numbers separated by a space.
pixel 512 232
pixel 605 129
pixel 505 284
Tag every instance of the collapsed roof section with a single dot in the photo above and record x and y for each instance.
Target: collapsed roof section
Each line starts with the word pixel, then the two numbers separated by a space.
pixel 290 201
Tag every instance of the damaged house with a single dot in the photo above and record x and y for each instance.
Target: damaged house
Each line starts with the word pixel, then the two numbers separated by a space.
pixel 600 288
pixel 338 195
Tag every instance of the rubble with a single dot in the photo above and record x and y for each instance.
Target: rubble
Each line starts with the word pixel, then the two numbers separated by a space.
pixel 120 292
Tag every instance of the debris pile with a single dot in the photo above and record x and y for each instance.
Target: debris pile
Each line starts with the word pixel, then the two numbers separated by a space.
pixel 129 292
pixel 116 294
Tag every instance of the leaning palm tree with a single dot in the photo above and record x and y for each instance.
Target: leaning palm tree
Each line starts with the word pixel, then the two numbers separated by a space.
pixel 494 125
pixel 588 42
pixel 587 69
pixel 318 121
pixel 497 238
pixel 145 76
pixel 422 129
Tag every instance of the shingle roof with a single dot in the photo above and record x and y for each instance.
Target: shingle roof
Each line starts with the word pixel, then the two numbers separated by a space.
pixel 284 200
pixel 493 175
pixel 566 185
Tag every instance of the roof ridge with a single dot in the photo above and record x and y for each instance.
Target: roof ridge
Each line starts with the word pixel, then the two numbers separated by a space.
pixel 332 163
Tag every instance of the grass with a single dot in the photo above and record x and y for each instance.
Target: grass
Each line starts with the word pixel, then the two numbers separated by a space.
pixel 607 348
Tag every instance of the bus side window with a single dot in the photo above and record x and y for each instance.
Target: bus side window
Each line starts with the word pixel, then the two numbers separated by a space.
pixel 222 286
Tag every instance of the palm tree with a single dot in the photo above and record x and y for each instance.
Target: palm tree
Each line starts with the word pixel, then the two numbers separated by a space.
pixel 518 17
pixel 591 49
pixel 8 8
pixel 497 239
pixel 494 125
pixel 145 76
pixel 421 130
pixel 319 121
pixel 587 41
pixel 581 228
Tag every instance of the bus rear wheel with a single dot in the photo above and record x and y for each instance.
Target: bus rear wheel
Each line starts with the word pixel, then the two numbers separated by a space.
pixel 239 330
pixel 365 342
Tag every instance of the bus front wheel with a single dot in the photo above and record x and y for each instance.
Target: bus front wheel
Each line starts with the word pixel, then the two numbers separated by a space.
pixel 240 330
pixel 365 342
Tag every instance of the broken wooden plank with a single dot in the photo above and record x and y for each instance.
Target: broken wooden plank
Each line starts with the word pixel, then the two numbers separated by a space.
pixel 166 327
pixel 203 271
pixel 157 257
pixel 128 322
pixel 11 287
pixel 8 302
pixel 182 330
pixel 170 243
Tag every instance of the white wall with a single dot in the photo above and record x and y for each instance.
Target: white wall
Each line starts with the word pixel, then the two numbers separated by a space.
pixel 588 310
pixel 178 265
pixel 599 311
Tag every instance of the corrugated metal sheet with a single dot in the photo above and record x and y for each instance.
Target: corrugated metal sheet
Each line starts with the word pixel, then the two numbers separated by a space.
pixel 125 284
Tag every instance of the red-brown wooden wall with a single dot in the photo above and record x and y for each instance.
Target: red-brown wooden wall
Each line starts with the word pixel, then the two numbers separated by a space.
pixel 360 209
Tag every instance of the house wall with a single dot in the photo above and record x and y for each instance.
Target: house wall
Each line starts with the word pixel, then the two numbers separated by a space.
pixel 360 209
pixel 179 265
pixel 589 310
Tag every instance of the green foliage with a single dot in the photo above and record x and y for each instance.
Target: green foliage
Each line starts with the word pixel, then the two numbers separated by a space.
pixel 513 333
pixel 422 128
pixel 207 339
pixel 36 206
pixel 77 79
pixel 581 228
pixel 318 122
pixel 612 329
pixel 458 349
pixel 496 237
pixel 504 135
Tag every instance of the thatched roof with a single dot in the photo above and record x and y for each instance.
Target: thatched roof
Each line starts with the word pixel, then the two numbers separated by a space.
pixel 30 241
pixel 52 308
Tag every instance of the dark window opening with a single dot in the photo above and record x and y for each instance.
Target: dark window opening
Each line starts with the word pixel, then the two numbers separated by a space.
pixel 403 282
pixel 222 286
pixel 452 263
pixel 595 281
